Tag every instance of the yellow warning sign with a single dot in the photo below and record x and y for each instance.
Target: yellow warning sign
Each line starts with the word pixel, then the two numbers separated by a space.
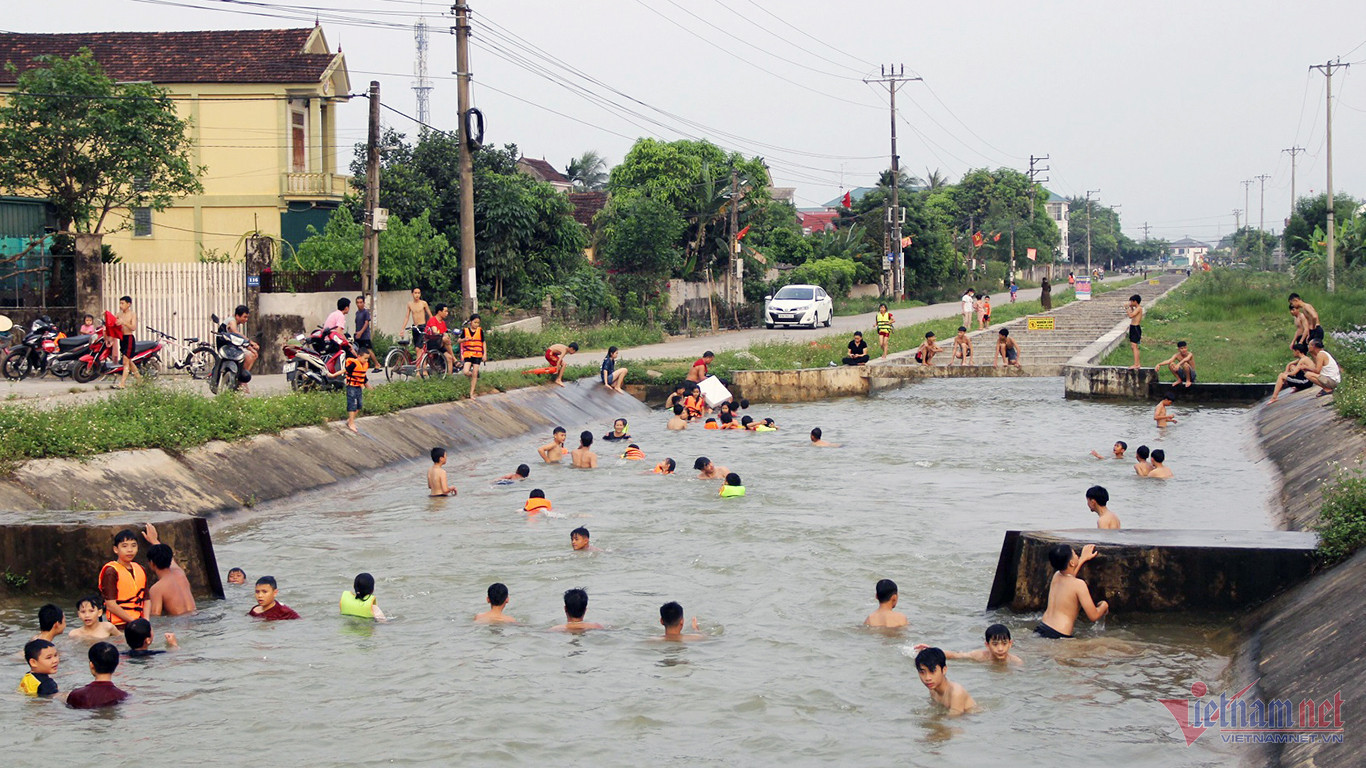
pixel 1041 324
pixel 1153 282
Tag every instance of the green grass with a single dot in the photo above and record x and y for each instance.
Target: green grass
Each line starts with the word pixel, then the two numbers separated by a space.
pixel 1342 518
pixel 505 345
pixel 1236 323
pixel 865 304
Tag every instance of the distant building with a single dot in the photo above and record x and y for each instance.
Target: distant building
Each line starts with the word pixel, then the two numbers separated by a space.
pixel 1056 206
pixel 540 170
pixel 586 207
pixel 783 194
pixel 1193 252
pixel 814 220
pixel 856 194
pixel 262 105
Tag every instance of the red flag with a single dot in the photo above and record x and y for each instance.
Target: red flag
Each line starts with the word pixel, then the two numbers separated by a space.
pixel 741 234
pixel 996 237
pixel 977 239
pixel 848 200
pixel 1030 254
pixel 906 241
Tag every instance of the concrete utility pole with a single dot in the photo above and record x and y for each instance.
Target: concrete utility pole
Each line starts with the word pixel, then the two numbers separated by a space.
pixel 1247 207
pixel 733 272
pixel 1261 223
pixel 1293 151
pixel 369 278
pixel 1327 70
pixel 1146 227
pixel 468 286
pixel 893 77
pixel 1033 173
pixel 1113 208
pixel 1237 225
pixel 1089 192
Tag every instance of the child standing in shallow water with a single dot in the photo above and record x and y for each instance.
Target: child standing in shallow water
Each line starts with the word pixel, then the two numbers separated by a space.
pixel 360 601
pixel 93 626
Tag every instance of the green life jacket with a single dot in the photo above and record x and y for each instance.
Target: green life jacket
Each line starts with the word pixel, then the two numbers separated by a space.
pixel 351 606
pixel 762 428
pixel 884 322
pixel 732 491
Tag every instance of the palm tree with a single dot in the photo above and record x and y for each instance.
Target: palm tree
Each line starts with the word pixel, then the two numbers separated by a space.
pixel 935 180
pixel 588 171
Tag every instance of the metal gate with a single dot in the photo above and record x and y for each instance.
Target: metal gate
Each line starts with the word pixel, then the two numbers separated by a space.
pixel 176 298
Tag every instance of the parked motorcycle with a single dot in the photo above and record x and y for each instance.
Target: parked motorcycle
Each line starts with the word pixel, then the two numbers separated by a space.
pixel 229 368
pixel 312 361
pixel 104 358
pixel 43 350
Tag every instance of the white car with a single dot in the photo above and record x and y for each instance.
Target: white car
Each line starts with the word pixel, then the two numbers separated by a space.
pixel 807 305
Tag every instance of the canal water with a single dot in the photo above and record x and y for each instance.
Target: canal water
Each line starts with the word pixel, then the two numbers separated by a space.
pixel 925 483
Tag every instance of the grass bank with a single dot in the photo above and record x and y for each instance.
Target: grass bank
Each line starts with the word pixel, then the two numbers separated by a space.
pixel 1237 324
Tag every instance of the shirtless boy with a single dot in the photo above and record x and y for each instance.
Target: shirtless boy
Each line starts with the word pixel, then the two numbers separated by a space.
pixel 927 350
pixel 579 539
pixel 709 471
pixel 1159 470
pixel 498 601
pixel 1119 449
pixel 555 355
pixel 886 615
pixel 996 650
pixel 1160 414
pixel 583 456
pixel 170 595
pixel 1134 309
pixel 1182 364
pixel 933 669
pixel 962 347
pixel 418 313
pixel 575 606
pixel 1301 332
pixel 128 323
pixel 1096 499
pixel 671 618
pixel 678 421
pixel 436 475
pixel 700 367
pixel 552 452
pixel 1067 594
pixel 1006 349
pixel 1308 316
pixel 818 442
pixel 92 626
pixel 1144 466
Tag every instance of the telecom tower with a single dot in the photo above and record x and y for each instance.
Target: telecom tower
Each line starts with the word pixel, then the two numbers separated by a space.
pixel 422 86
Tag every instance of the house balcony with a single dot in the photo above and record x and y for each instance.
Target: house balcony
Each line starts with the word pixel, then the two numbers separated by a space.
pixel 315 186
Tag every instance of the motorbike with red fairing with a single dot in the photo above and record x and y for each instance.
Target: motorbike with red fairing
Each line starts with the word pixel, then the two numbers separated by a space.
pixel 314 361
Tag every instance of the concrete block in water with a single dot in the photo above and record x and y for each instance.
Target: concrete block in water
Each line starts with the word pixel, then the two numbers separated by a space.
pixel 60 552
pixel 1107 381
pixel 802 385
pixel 1147 570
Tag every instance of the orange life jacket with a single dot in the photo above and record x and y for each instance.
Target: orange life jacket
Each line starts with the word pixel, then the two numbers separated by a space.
pixel 633 454
pixel 132 590
pixel 355 371
pixel 692 404
pixel 712 425
pixel 662 471
pixel 536 505
pixel 471 342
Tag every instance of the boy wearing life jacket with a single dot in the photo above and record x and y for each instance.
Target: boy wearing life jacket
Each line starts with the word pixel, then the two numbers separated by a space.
pixel 436 475
pixel 665 467
pixel 536 503
pixel 633 453
pixel 694 404
pixel 732 488
pixel 472 350
pixel 123 583
pixel 498 601
pixel 355 370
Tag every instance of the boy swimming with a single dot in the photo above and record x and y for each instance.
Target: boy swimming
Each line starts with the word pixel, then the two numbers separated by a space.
pixel 665 467
pixel 1159 470
pixel 579 540
pixel 996 649
pixel 709 471
pixel 1144 466
pixel 1096 499
pixel 671 618
pixel 521 473
pixel 886 614
pixel 498 602
pixel 436 475
pixel 933 668
pixel 43 660
pixel 1160 414
pixel 818 442
pixel 677 422
pixel 536 503
pixel 732 488
pixel 360 601
pixel 575 606
pixel 583 456
pixel 93 626
pixel 1067 594
pixel 1119 449
pixel 237 576
pixel 552 452
pixel 267 607
pixel 51 623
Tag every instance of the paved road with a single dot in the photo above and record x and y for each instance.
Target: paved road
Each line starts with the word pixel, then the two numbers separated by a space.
pixel 48 392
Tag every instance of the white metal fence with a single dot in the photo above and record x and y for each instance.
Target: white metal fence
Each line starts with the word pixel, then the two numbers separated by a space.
pixel 176 298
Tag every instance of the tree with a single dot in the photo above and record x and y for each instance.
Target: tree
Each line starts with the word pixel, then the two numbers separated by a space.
pixel 640 247
pixel 412 253
pixel 588 171
pixel 70 134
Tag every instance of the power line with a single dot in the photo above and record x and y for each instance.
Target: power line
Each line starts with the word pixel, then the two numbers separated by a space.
pixel 804 49
pixel 751 46
pixel 801 31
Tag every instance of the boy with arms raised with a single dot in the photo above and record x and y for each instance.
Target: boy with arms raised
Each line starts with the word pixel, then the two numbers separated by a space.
pixel 498 602
pixel 1067 594
pixel 886 615
pixel 933 668
pixel 171 595
pixel 996 650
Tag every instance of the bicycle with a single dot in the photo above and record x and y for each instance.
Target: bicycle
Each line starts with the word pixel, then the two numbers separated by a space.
pixel 400 362
pixel 198 360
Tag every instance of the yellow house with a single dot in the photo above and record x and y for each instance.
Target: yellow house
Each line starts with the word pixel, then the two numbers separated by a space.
pixel 262 106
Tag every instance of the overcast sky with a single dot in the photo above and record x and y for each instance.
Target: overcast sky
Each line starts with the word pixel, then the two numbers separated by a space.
pixel 1165 107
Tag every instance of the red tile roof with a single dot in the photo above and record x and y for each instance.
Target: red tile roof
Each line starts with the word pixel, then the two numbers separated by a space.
pixel 587 205
pixel 543 170
pixel 219 56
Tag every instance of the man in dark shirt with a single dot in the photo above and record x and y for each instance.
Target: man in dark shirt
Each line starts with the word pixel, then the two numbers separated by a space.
pixel 363 329
pixel 104 659
pixel 858 350
pixel 266 606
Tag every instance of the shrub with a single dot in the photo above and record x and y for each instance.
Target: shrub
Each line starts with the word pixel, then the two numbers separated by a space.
pixel 1342 518
pixel 833 273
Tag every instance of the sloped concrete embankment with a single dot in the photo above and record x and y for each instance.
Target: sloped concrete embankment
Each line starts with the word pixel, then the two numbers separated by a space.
pixel 222 475
pixel 1306 645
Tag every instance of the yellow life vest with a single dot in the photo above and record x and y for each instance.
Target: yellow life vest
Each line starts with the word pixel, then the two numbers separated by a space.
pixel 884 322
pixel 132 590
pixel 353 606
pixel 762 428
pixel 732 491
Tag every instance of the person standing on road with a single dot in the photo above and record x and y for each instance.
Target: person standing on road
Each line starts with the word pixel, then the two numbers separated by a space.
pixel 128 324
pixel 363 329
pixel 969 306
pixel 1046 295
